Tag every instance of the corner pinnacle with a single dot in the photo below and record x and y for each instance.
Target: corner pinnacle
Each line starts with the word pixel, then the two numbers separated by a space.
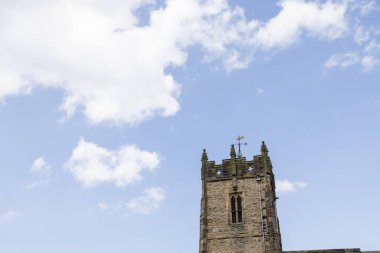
pixel 233 152
pixel 264 149
pixel 204 156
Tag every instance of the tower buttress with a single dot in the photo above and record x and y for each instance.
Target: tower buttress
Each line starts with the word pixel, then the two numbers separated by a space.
pixel 266 159
pixel 203 216
pixel 273 226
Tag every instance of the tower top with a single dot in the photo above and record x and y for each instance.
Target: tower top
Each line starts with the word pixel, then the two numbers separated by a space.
pixel 236 166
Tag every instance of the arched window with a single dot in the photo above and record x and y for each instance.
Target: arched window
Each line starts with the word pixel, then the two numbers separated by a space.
pixel 236 210
pixel 233 209
pixel 240 209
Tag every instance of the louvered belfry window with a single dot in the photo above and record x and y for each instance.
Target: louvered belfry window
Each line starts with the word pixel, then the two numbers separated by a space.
pixel 236 210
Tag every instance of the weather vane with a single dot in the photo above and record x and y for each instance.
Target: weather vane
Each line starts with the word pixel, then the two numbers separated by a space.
pixel 239 138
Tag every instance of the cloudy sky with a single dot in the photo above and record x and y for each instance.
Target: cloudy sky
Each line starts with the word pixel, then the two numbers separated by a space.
pixel 106 106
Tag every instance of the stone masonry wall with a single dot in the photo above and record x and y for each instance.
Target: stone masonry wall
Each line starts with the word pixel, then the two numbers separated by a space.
pixel 224 237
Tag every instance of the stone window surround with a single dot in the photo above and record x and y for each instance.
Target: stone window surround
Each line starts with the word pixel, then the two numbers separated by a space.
pixel 231 213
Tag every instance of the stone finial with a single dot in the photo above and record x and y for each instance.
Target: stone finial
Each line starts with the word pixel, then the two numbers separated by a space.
pixel 233 152
pixel 233 161
pixel 264 149
pixel 204 163
pixel 204 156
pixel 266 159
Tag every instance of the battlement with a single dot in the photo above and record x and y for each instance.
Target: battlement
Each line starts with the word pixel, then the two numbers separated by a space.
pixel 237 166
pixel 244 168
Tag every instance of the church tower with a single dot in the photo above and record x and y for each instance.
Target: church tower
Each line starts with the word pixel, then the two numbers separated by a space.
pixel 238 206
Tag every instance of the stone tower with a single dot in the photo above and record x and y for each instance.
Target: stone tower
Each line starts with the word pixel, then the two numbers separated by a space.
pixel 238 206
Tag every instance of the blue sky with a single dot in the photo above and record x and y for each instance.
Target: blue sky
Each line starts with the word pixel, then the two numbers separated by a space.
pixel 107 105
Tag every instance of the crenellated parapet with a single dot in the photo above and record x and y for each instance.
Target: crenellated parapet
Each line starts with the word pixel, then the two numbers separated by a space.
pixel 244 168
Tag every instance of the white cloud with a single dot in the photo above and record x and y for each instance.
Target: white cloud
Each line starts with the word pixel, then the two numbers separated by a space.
pixel 365 7
pixel 342 60
pixel 361 35
pixel 150 201
pixel 92 165
pixel 372 46
pixel 371 55
pixel 108 65
pixel 40 166
pixel 285 185
pixel 9 216
pixel 369 62
pixel 104 206
pixel 323 20
pixel 364 34
pixel 116 70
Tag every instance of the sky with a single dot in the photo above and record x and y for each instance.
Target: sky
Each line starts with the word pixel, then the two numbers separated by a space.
pixel 106 106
